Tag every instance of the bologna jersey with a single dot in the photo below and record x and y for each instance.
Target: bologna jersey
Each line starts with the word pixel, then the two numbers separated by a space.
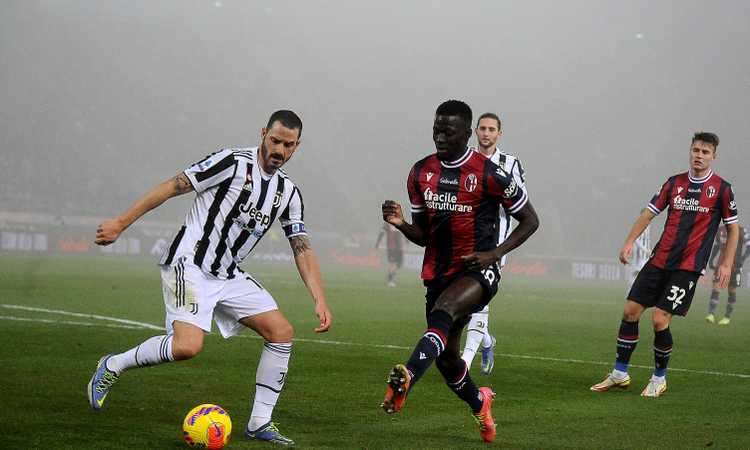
pixel 695 208
pixel 235 205
pixel 461 201
pixel 512 165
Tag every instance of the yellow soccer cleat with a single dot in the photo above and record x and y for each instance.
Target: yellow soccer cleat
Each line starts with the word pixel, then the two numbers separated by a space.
pixel 610 383
pixel 724 321
pixel 710 318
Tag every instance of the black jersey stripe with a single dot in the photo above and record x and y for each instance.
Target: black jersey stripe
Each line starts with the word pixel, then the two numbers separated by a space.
pixel 441 221
pixel 213 211
pixel 280 188
pixel 175 243
pixel 487 216
pixel 221 246
pixel 216 169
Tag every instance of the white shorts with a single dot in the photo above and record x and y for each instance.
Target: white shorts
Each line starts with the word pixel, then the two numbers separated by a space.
pixel 192 296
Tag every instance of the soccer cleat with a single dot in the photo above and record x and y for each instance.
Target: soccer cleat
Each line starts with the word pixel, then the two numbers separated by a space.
pixel 488 357
pixel 269 433
pixel 724 321
pixel 610 382
pixel 487 427
pixel 101 382
pixel 391 284
pixel 710 318
pixel 397 388
pixel 655 387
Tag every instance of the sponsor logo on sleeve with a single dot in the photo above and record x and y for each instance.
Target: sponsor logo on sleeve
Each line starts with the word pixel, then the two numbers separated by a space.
pixel 511 190
pixel 733 205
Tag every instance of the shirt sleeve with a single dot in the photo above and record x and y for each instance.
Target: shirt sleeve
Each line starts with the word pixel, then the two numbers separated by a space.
pixel 729 207
pixel 415 196
pixel 512 194
pixel 211 170
pixel 518 172
pixel 293 218
pixel 660 200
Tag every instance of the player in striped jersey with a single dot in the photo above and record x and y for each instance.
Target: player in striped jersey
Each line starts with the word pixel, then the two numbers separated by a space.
pixel 735 280
pixel 455 195
pixel 697 201
pixel 488 131
pixel 240 193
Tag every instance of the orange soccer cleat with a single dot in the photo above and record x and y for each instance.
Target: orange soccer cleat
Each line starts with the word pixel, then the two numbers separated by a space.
pixel 487 427
pixel 397 388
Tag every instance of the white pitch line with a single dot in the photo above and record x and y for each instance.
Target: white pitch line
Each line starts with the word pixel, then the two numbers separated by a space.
pixel 87 316
pixel 140 325
pixel 70 322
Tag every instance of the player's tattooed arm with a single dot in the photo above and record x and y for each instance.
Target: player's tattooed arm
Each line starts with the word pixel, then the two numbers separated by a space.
pixel 181 184
pixel 299 244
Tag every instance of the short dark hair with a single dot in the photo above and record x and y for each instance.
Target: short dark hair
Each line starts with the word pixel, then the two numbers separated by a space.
pixel 287 118
pixel 455 108
pixel 489 115
pixel 705 136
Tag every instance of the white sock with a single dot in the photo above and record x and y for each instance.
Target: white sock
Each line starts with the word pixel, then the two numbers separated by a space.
pixel 154 350
pixel 269 380
pixel 475 332
pixel 618 374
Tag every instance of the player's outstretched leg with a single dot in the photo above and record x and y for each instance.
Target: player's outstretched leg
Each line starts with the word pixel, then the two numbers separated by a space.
pixel 488 353
pixel 403 377
pixel 476 331
pixel 154 350
pixel 627 339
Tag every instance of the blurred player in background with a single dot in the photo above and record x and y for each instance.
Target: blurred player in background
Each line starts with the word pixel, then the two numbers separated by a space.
pixel 735 281
pixel 239 194
pixel 697 200
pixel 641 254
pixel 488 131
pixel 394 250
pixel 455 195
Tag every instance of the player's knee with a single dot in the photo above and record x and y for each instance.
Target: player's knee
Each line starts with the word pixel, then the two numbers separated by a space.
pixel 186 349
pixel 660 319
pixel 632 312
pixel 281 333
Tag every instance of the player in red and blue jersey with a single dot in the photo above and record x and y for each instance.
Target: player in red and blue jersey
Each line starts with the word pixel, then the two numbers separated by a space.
pixel 456 194
pixel 697 201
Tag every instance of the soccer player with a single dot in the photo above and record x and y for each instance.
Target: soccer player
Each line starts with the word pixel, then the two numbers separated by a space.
pixel 640 256
pixel 239 194
pixel 455 195
pixel 488 131
pixel 735 280
pixel 697 200
pixel 395 251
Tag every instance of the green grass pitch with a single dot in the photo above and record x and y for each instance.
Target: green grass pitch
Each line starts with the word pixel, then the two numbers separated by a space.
pixel 555 339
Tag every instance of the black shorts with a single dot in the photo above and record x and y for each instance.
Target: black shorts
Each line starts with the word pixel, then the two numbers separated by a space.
pixel 668 290
pixel 396 257
pixel 489 278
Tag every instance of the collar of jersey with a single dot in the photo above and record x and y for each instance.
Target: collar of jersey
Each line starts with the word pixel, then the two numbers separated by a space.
pixel 465 157
pixel 700 180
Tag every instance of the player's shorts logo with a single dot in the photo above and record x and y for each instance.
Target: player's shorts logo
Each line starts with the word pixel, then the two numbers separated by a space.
pixel 710 192
pixel 471 182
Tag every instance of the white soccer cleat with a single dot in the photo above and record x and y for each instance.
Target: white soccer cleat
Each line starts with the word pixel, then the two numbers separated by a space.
pixel 655 387
pixel 710 318
pixel 611 383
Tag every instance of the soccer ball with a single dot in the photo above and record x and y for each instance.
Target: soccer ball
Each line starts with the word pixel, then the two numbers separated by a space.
pixel 207 426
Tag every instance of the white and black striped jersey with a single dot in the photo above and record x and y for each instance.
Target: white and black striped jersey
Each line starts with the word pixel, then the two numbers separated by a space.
pixel 235 205
pixel 511 165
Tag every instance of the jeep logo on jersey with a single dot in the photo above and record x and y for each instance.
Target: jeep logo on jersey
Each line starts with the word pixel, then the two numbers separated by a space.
pixel 257 215
pixel 471 182
pixel 710 192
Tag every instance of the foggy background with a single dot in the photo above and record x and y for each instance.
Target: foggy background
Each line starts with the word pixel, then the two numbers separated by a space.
pixel 99 101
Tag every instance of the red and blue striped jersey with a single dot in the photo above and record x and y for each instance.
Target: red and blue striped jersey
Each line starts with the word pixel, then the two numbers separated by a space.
pixel 461 200
pixel 696 206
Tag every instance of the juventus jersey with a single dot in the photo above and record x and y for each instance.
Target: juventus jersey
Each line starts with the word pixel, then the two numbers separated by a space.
pixel 512 166
pixel 235 205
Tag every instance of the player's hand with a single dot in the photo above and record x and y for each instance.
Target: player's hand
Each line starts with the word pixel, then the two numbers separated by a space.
pixel 625 252
pixel 722 276
pixel 392 213
pixel 324 314
pixel 479 260
pixel 108 231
